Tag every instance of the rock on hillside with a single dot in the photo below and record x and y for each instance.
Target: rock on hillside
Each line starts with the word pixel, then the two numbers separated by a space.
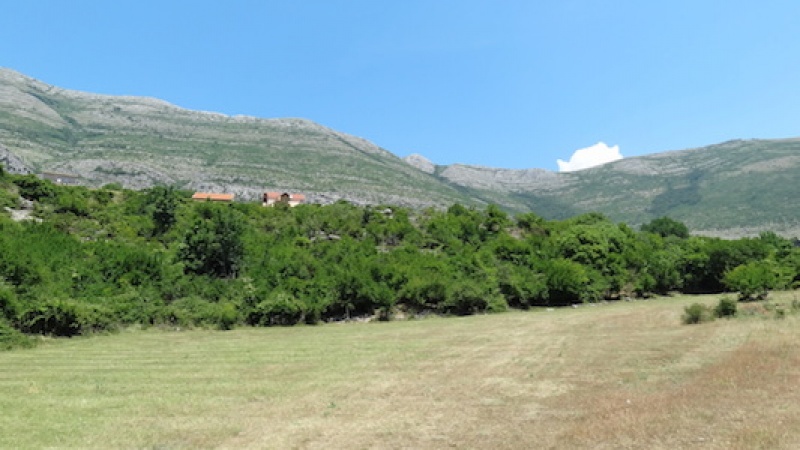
pixel 420 162
pixel 730 189
pixel 508 180
pixel 12 163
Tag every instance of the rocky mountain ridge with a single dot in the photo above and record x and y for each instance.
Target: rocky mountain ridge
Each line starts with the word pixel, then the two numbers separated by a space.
pixel 734 188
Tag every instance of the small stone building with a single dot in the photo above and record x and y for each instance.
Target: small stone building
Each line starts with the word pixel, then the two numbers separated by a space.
pixel 272 198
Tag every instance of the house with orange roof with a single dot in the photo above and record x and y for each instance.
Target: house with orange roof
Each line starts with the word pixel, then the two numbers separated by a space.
pixel 209 196
pixel 273 198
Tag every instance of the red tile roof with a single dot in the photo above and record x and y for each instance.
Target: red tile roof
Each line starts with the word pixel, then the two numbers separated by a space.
pixel 213 197
pixel 278 195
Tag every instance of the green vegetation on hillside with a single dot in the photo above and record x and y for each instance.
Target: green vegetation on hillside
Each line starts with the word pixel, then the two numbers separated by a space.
pixel 103 258
pixel 733 189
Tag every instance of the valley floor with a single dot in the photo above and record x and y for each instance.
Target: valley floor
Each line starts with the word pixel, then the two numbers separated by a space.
pixel 621 375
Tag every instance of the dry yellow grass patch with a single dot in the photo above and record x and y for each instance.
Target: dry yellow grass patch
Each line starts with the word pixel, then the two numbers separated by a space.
pixel 624 375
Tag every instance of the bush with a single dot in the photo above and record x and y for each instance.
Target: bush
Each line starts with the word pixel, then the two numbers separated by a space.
pixel 223 315
pixel 496 303
pixel 212 245
pixel 752 280
pixel 32 187
pixel 9 305
pixel 65 318
pixel 280 308
pixel 193 310
pixel 467 297
pixel 8 199
pixel 664 226
pixel 697 313
pixel 12 338
pixel 726 307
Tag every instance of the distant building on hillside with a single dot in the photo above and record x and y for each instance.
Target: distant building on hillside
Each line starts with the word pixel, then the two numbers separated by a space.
pixel 208 196
pixel 61 178
pixel 272 198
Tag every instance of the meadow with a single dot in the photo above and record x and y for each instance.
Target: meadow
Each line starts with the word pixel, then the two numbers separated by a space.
pixel 606 375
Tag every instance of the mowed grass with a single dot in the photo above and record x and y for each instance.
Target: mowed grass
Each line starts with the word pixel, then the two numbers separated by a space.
pixel 621 375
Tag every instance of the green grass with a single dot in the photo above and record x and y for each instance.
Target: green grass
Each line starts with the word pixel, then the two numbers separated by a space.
pixel 625 374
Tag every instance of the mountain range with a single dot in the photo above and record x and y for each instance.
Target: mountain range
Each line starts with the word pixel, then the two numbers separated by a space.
pixel 732 189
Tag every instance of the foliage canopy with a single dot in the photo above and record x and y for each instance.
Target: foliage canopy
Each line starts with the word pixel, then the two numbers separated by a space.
pixel 104 258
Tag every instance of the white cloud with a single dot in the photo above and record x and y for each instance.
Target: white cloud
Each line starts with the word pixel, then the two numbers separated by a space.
pixel 592 156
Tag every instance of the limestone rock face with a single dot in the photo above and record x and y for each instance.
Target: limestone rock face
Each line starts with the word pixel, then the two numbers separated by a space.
pixel 12 163
pixel 733 189
pixel 420 162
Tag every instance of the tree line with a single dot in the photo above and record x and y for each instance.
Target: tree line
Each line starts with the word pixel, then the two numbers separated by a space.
pixel 99 259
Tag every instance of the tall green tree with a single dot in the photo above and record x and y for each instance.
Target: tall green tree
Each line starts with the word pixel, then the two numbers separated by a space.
pixel 213 243
pixel 164 201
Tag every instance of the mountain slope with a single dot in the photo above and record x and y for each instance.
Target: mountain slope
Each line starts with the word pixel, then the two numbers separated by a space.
pixel 140 142
pixel 731 189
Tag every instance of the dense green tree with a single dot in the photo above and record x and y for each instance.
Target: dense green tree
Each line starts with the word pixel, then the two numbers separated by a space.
pixel 752 280
pixel 103 258
pixel 496 219
pixel 522 287
pixel 531 223
pixel 665 226
pixel 568 282
pixel 164 203
pixel 213 243
pixel 596 244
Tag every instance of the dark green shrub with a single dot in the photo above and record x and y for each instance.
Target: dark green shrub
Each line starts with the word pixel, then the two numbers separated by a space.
pixel 279 308
pixel 72 201
pixel 726 307
pixel 12 338
pixel 9 305
pixel 466 297
pixel 59 317
pixel 568 282
pixel 8 199
pixel 697 313
pixel 752 280
pixel 102 196
pixel 423 293
pixel 212 244
pixel 32 187
pixel 56 317
pixel 164 202
pixel 496 303
pixel 223 315
pixel 521 287
pixel 193 310
pixel 135 307
pixel 665 226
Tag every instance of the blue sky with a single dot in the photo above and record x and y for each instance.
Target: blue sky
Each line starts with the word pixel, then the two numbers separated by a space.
pixel 502 83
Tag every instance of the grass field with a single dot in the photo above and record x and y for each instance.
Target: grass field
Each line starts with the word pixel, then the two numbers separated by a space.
pixel 622 375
